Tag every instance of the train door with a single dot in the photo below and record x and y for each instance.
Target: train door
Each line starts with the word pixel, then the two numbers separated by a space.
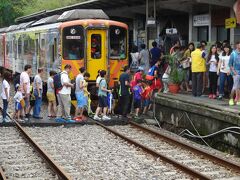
pixel 96 52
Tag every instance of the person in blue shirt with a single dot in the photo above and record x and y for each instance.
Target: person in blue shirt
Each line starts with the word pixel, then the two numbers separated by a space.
pixel 137 92
pixel 234 64
pixel 155 53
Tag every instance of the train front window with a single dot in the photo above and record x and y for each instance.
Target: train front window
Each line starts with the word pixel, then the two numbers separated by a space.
pixel 118 42
pixel 96 42
pixel 73 43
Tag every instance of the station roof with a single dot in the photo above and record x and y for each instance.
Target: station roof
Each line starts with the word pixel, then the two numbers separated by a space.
pixel 91 4
pixel 132 5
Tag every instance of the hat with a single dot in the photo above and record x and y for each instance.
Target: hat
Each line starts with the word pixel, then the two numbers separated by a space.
pixel 17 85
pixel 140 68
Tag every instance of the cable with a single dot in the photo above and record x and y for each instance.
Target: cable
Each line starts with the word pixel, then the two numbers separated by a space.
pixel 229 129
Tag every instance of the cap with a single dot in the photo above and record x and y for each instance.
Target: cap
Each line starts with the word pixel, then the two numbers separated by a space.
pixel 140 68
pixel 17 85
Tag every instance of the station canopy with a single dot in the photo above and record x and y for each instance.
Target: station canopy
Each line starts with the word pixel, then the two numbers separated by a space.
pixel 115 7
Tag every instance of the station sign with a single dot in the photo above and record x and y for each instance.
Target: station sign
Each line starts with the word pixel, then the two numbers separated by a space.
pixel 171 31
pixel 73 37
pixel 151 22
pixel 230 23
pixel 201 20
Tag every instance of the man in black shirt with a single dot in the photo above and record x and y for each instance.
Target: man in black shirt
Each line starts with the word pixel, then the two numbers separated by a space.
pixel 124 91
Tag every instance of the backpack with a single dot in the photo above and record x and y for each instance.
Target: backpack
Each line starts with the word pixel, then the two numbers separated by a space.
pixel 57 81
pixel 150 74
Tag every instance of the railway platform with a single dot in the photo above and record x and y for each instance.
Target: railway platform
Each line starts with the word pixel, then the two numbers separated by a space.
pixel 200 118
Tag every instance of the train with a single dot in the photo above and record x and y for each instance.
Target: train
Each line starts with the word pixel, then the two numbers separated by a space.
pixel 77 37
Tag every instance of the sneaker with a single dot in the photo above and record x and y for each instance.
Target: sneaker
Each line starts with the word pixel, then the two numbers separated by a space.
pixel 96 117
pixel 220 97
pixel 106 118
pixel 214 96
pixel 210 96
pixel 231 102
pixel 238 103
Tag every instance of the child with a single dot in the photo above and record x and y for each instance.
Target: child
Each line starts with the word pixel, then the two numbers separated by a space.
pixel 18 98
pixel 86 76
pixel 5 93
pixel 32 97
pixel 52 105
pixel 137 92
pixel 146 95
pixel 165 79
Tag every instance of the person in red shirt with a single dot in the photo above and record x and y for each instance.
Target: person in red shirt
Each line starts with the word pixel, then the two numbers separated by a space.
pixel 146 96
pixel 137 76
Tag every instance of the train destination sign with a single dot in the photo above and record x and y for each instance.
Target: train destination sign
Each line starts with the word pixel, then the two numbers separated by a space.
pixel 73 37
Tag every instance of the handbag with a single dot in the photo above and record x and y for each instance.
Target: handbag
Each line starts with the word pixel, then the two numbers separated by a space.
pixel 185 64
pixel 22 102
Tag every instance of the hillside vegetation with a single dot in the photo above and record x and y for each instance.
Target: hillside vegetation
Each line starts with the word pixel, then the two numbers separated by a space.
pixel 11 9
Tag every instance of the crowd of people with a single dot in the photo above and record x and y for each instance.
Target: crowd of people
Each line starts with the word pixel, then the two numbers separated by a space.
pixel 215 71
pixel 148 73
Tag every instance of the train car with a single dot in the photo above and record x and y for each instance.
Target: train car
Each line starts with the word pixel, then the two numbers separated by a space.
pixel 96 45
pixel 77 37
pixel 2 49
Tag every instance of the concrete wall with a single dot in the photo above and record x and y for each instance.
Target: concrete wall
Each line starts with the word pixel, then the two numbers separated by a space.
pixel 182 112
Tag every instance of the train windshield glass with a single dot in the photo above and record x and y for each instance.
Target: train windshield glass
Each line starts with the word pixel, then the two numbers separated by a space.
pixel 96 42
pixel 73 43
pixel 118 42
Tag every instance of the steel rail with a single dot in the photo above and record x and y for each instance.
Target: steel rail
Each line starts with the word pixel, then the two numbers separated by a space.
pixel 2 175
pixel 171 161
pixel 53 165
pixel 224 162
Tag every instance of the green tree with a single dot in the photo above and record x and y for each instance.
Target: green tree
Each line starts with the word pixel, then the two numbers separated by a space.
pixel 39 5
pixel 10 10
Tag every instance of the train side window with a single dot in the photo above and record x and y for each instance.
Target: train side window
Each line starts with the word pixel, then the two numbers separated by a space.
pixel 96 46
pixel 15 48
pixel 73 43
pixel 29 50
pixel 118 42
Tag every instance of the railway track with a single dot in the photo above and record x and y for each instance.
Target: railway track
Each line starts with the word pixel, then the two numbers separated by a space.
pixel 193 161
pixel 22 157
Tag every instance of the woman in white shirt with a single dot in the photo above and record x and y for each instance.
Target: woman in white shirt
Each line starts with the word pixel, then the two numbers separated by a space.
pixel 224 71
pixel 212 61
pixel 5 93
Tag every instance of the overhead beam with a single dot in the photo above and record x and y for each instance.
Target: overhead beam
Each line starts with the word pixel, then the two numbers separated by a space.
pixel 226 3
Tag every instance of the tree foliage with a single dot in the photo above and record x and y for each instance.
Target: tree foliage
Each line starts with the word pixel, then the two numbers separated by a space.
pixel 11 9
pixel 39 5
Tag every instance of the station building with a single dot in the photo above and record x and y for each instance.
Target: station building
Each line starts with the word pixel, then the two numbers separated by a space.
pixel 166 21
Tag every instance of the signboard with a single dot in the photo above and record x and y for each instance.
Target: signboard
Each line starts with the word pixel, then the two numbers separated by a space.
pixel 151 22
pixel 171 31
pixel 73 37
pixel 201 20
pixel 230 23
